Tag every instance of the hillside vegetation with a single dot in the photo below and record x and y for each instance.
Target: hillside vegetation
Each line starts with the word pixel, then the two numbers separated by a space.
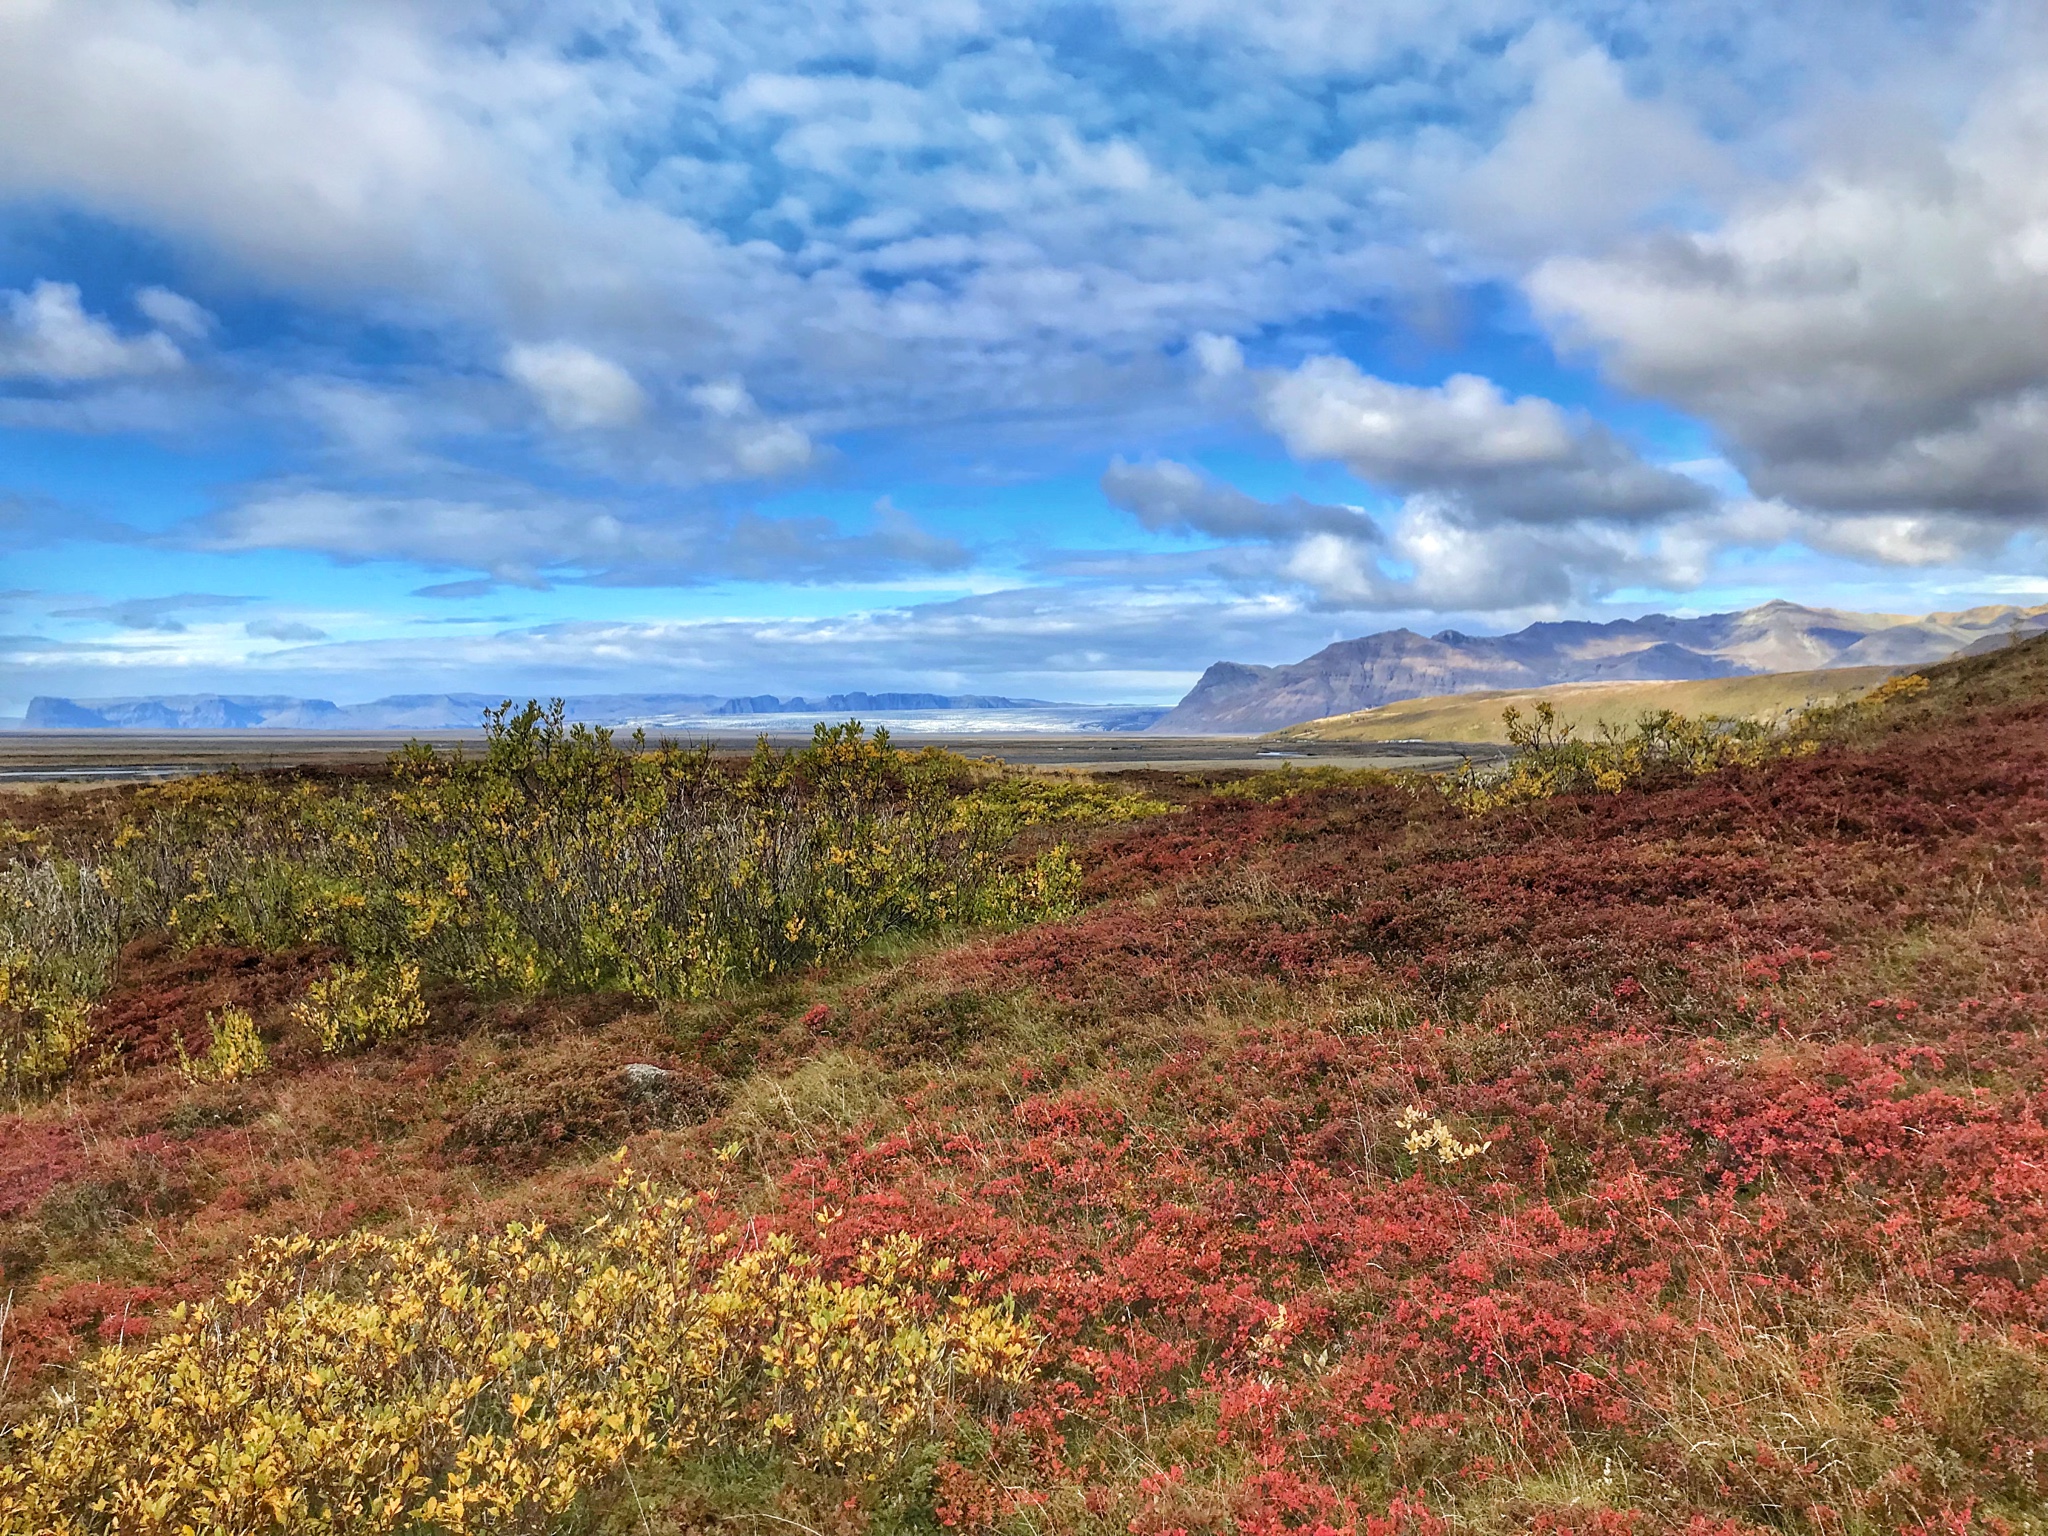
pixel 1769 698
pixel 1661 1150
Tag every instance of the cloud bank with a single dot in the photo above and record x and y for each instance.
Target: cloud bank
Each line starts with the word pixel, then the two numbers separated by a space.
pixel 1504 308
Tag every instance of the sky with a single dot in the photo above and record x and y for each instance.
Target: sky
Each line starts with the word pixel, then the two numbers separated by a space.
pixel 1055 350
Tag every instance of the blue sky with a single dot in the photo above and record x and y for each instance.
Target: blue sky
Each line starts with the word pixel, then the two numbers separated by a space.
pixel 1043 349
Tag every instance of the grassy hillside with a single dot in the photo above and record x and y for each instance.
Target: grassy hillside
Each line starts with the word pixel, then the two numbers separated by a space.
pixel 1476 717
pixel 1334 1159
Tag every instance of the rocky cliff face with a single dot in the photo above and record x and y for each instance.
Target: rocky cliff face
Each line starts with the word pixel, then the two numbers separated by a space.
pixel 1236 699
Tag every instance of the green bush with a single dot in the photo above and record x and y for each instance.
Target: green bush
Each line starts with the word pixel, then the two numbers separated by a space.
pixel 556 860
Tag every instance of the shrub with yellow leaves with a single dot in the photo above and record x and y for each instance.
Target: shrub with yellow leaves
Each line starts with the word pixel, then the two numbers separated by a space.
pixel 59 927
pixel 1550 759
pixel 562 860
pixel 42 1035
pixel 235 1050
pixel 377 1384
pixel 1425 1135
pixel 557 860
pixel 353 1006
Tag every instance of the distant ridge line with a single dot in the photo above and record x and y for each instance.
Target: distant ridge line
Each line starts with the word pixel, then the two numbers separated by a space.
pixel 455 711
pixel 1235 698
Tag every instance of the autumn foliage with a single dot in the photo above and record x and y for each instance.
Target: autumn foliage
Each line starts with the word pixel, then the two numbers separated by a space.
pixel 1667 1156
pixel 379 1384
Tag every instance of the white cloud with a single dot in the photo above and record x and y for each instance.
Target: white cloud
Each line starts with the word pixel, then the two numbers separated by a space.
pixel 1328 409
pixel 754 443
pixel 1435 552
pixel 1314 36
pixel 175 312
pixel 1583 161
pixel 371 426
pixel 1438 552
pixel 1904 539
pixel 1220 357
pixel 966 222
pixel 1867 337
pixel 512 544
pixel 308 142
pixel 537 542
pixel 724 398
pixel 48 336
pixel 1523 459
pixel 575 387
pixel 1167 496
pixel 1000 223
pixel 885 211
pixel 768 448
pixel 1037 641
pixel 1435 558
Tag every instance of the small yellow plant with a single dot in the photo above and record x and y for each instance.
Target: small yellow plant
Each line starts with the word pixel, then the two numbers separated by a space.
pixel 43 1031
pixel 1049 887
pixel 388 1384
pixel 235 1051
pixel 1426 1134
pixel 353 1006
pixel 1893 690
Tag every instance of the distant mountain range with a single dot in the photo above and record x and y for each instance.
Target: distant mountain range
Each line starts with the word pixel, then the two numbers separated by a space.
pixel 1236 699
pixel 459 711
pixel 1231 699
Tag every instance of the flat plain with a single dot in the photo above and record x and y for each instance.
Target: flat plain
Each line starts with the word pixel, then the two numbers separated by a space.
pixel 42 756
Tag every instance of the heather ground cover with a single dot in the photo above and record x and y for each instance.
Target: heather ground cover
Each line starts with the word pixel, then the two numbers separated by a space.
pixel 1656 1155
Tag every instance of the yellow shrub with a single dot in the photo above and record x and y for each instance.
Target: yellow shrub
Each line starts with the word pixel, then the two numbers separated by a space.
pixel 355 1007
pixel 58 937
pixel 1424 1133
pixel 236 1050
pixel 381 1384
pixel 1018 800
pixel 1267 785
pixel 42 1036
pixel 1550 760
pixel 1048 887
pixel 558 860
pixel 1893 690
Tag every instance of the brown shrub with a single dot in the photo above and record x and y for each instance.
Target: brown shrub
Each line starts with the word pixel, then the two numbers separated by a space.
pixel 565 1098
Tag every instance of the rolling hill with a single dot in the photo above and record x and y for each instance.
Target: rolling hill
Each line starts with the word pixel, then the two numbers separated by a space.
pixel 1476 717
